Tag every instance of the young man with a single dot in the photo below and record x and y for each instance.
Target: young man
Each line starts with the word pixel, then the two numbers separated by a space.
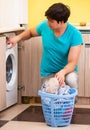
pixel 61 43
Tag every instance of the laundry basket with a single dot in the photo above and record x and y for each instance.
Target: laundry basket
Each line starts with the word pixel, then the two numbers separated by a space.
pixel 57 109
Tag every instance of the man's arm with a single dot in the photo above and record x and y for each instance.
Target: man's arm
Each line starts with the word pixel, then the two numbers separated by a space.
pixel 72 62
pixel 28 34
pixel 72 59
pixel 23 36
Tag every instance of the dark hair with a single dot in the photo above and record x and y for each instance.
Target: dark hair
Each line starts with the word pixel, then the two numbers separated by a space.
pixel 58 12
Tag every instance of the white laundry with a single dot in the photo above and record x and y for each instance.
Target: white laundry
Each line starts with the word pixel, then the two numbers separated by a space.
pixel 52 86
pixel 64 90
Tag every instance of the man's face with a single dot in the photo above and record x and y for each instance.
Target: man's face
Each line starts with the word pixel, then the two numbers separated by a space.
pixel 53 24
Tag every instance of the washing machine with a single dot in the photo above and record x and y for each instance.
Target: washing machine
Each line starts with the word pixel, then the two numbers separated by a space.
pixel 11 74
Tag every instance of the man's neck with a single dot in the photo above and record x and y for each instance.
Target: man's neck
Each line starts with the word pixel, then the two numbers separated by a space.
pixel 59 31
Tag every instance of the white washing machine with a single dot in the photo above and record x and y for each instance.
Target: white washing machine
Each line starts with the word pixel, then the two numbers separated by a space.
pixel 11 75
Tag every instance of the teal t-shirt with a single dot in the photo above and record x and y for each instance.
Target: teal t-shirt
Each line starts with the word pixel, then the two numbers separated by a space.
pixel 55 49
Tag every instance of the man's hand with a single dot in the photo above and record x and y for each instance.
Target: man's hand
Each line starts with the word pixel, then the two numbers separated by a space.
pixel 60 77
pixel 12 41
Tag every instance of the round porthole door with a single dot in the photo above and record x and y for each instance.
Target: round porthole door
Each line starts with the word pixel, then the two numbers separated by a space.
pixel 10 69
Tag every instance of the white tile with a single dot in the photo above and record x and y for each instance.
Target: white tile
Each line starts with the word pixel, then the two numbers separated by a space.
pixel 82 106
pixel 79 127
pixel 15 125
pixel 13 111
pixel 88 127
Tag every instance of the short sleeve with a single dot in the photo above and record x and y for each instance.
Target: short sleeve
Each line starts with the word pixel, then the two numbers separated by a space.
pixel 77 38
pixel 40 27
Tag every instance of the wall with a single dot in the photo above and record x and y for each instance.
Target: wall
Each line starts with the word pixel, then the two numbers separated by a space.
pixel 79 10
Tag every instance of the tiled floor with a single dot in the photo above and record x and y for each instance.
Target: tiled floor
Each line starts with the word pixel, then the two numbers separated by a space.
pixel 12 121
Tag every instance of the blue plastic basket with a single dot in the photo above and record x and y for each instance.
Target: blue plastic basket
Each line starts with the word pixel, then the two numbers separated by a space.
pixel 57 109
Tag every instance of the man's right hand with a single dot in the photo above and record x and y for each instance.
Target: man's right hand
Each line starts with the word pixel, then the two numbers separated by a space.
pixel 12 41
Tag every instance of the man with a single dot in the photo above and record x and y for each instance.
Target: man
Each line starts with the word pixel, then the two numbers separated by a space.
pixel 61 43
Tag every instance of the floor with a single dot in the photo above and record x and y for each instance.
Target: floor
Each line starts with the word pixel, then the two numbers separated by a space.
pixel 30 116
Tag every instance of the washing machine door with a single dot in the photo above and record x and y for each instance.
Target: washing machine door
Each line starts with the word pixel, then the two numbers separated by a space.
pixel 11 69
